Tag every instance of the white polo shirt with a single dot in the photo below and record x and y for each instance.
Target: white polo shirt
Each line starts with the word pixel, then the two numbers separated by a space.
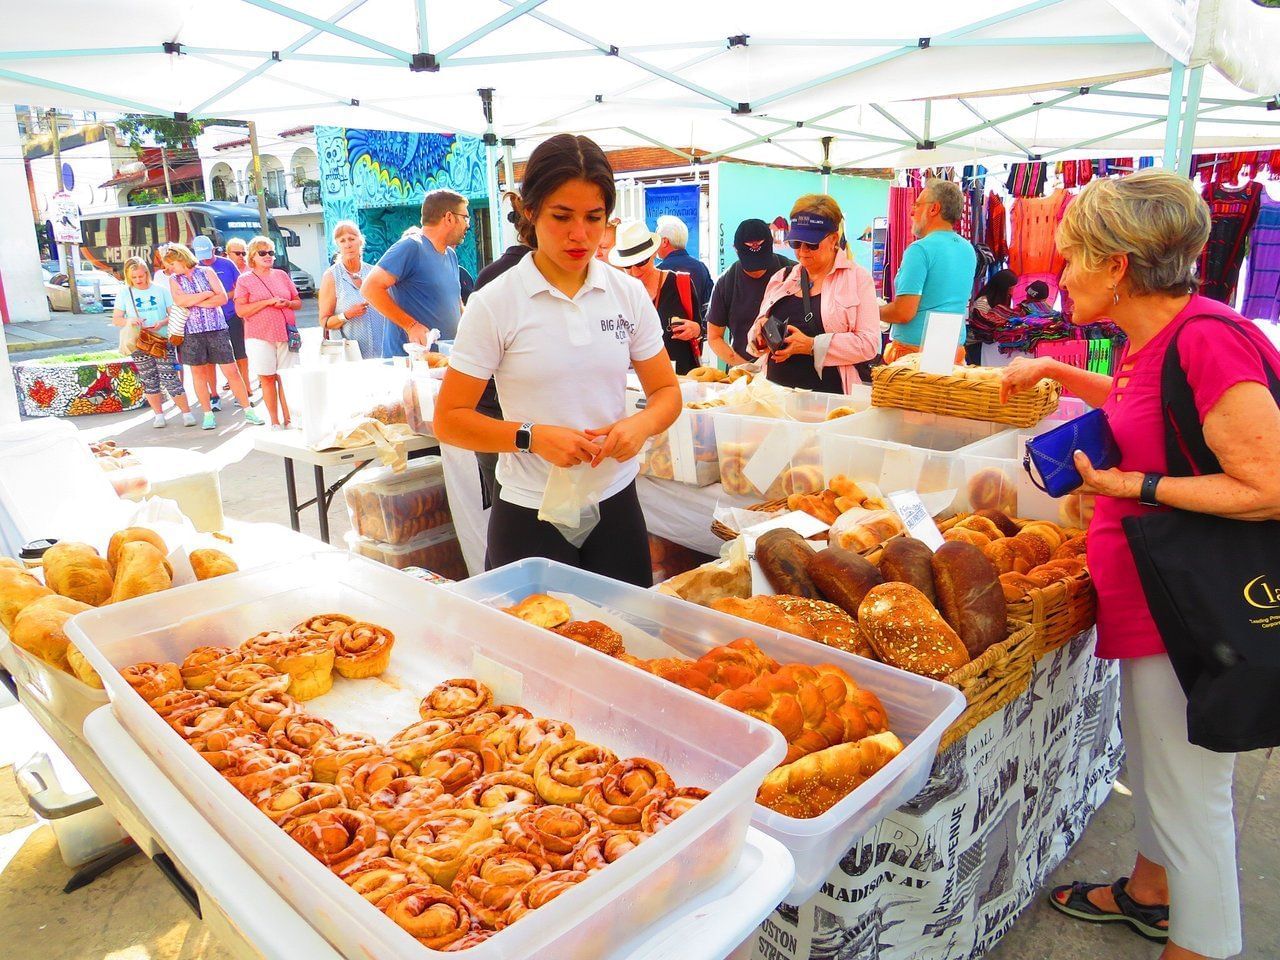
pixel 557 361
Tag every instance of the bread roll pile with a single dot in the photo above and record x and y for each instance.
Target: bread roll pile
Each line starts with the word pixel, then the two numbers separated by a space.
pixel 1027 556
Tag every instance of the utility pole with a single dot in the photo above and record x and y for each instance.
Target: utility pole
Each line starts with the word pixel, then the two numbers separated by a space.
pixel 164 164
pixel 258 187
pixel 68 263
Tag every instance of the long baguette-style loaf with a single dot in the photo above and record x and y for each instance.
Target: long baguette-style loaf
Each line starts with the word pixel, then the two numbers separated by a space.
pixel 970 595
pixel 843 576
pixel 783 555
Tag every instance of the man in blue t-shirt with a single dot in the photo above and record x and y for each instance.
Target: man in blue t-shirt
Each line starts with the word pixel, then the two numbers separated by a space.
pixel 415 284
pixel 937 271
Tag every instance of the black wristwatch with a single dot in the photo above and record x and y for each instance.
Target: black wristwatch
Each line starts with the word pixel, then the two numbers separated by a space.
pixel 524 437
pixel 1147 495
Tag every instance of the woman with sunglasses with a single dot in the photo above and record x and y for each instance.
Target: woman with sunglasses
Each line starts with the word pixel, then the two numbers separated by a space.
pixel 673 294
pixel 266 300
pixel 819 320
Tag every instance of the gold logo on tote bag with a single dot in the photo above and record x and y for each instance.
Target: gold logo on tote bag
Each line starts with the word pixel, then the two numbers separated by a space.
pixel 1259 593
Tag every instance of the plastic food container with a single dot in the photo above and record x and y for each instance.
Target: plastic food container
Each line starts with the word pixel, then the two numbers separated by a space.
pixel 83 827
pixel 65 697
pixel 442 635
pixel 436 550
pixel 919 709
pixel 687 451
pixel 325 397
pixel 903 449
pixel 770 450
pixel 420 392
pixel 399 507
pixel 996 463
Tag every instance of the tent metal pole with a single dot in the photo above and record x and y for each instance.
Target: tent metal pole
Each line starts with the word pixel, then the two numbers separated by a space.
pixel 896 122
pixel 1189 135
pixel 66 54
pixel 1014 115
pixel 928 119
pixel 420 9
pixel 994 128
pixel 497 23
pixel 132 106
pixel 324 26
pixel 781 146
pixel 521 58
pixel 1190 112
pixel 1177 84
pixel 786 125
pixel 839 131
pixel 658 143
pixel 1108 39
pixel 508 166
pixel 497 240
pixel 1211 101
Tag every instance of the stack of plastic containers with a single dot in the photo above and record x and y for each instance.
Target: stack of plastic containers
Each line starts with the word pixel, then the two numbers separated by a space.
pixel 403 519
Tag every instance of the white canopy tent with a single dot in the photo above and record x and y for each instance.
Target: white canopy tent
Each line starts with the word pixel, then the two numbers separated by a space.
pixel 801 83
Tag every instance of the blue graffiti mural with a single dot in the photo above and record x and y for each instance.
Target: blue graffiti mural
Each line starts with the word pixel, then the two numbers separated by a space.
pixel 378 179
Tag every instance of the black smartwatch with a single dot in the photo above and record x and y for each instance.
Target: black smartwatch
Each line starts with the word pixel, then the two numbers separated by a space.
pixel 1147 495
pixel 524 437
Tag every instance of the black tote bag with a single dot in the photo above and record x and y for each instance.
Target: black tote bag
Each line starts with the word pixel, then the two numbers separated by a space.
pixel 1213 586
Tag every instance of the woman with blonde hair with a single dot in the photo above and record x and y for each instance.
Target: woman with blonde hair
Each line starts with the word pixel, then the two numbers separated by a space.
pixel 825 309
pixel 205 341
pixel 1131 247
pixel 145 306
pixel 266 299
pixel 342 306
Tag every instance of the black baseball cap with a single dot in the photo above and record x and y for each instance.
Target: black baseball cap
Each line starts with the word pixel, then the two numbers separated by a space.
pixel 754 243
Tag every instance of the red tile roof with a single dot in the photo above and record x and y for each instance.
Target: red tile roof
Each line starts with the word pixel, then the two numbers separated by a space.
pixel 296 131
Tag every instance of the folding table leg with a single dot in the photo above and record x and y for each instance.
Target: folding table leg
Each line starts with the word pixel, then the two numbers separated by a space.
pixel 322 503
pixel 291 492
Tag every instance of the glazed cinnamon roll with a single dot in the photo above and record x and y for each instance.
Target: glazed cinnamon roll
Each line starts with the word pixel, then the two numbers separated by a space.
pixel 177 703
pixel 565 770
pixel 521 742
pixel 242 679
pixel 541 890
pixel 196 722
pixel 455 699
pixel 325 624
pixel 605 848
pixel 289 801
pixel 419 740
pixel 404 800
pixel 264 707
pixel 306 657
pixel 202 664
pixel 489 881
pixel 339 838
pixel 299 732
pixel 438 842
pixel 379 878
pixel 363 650
pixel 330 754
pixel 477 936
pixel 428 913
pixel 361 778
pixel 223 746
pixel 553 833
pixel 486 721
pixel 459 761
pixel 500 796
pixel 661 812
pixel 256 772
pixel 151 678
pixel 626 789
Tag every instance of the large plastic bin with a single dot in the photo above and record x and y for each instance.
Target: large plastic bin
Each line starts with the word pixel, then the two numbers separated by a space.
pixel 67 698
pixel 686 452
pixel 441 635
pixel 323 398
pixel 436 550
pixel 919 709
pixel 998 460
pixel 399 507
pixel 770 450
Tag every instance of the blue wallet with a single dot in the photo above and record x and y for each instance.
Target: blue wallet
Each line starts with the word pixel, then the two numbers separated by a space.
pixel 1051 454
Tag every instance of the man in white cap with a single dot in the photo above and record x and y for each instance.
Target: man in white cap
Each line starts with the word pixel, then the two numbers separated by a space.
pixel 228 273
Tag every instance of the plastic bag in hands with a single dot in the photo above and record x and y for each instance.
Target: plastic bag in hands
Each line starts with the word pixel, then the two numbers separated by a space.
pixel 571 501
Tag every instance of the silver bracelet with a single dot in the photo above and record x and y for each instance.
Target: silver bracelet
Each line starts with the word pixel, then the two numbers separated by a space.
pixel 340 317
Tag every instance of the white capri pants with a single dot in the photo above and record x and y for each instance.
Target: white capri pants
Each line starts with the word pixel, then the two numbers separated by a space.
pixel 266 357
pixel 1182 807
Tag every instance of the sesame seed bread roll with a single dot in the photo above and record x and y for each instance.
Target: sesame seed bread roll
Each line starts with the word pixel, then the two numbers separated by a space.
pixel 906 631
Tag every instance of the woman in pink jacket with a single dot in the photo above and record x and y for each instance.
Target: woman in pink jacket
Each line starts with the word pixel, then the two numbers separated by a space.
pixel 840 327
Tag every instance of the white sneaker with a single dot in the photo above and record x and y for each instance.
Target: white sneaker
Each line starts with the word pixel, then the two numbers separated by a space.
pixel 157 422
pixel 188 419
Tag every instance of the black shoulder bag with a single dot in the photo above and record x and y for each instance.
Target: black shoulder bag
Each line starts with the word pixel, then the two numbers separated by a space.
pixel 1213 586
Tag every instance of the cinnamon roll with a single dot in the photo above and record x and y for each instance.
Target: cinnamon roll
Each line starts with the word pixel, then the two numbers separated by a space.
pixel 428 913
pixel 361 778
pixel 306 657
pixel 405 799
pixel 176 703
pixel 605 848
pixel 152 679
pixel 489 881
pixel 455 699
pixel 224 745
pixel 553 833
pixel 438 842
pixel 242 679
pixel 330 754
pixel 198 721
pixel 263 708
pixel 541 890
pixel 363 650
pixel 565 770
pixel 299 732
pixel 459 761
pixel 202 664
pixel 289 801
pixel 419 740
pixel 340 838
pixel 379 878
pixel 626 789
pixel 521 742
pixel 485 721
pixel 474 938
pixel 325 624
pixel 256 772
pixel 661 812
pixel 500 796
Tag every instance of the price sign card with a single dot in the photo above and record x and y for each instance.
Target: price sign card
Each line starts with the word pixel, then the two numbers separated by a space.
pixel 915 517
pixel 938 349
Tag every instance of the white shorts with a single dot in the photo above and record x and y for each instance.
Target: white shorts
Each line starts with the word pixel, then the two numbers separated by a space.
pixel 267 358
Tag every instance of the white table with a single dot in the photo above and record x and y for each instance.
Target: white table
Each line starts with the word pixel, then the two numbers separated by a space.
pixel 290 446
pixel 682 513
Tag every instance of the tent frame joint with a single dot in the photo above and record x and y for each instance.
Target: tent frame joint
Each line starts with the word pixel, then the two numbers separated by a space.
pixel 172 46
pixel 181 117
pixel 738 40
pixel 1084 91
pixel 1274 103
pixel 742 109
pixel 612 51
pixel 424 63
pixel 924 43
pixel 926 145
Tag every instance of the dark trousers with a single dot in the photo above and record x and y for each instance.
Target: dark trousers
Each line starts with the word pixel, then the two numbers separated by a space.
pixel 618 547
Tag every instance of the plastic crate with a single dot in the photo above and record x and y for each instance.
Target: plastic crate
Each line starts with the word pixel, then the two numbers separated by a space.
pixel 436 550
pixel 398 508
pixel 919 709
pixel 440 635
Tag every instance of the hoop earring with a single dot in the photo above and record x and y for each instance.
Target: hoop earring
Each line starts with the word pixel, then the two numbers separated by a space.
pixel 1115 296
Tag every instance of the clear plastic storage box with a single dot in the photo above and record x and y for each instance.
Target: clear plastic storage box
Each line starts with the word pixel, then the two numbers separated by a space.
pixel 397 508
pixel 323 398
pixel 686 452
pixel 769 449
pixel 904 450
pixel 919 709
pixel 436 550
pixel 441 635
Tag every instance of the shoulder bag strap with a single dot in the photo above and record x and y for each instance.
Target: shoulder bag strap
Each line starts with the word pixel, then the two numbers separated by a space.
pixel 684 287
pixel 806 289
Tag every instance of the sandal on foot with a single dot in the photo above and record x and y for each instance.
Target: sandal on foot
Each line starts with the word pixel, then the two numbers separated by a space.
pixel 1141 918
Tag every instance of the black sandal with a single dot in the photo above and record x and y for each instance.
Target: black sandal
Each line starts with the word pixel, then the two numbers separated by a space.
pixel 1140 918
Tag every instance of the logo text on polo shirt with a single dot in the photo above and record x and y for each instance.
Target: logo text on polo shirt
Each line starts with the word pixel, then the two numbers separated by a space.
pixel 622 328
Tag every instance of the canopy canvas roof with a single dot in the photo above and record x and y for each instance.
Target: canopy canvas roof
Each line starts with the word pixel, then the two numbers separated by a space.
pixel 853 84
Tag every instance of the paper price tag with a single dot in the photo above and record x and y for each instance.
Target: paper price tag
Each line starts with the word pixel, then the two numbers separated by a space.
pixel 938 348
pixel 774 455
pixel 915 517
pixel 802 523
pixel 506 683
pixel 684 461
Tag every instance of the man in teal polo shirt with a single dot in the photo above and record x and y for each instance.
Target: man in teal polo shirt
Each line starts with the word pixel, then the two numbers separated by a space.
pixel 937 271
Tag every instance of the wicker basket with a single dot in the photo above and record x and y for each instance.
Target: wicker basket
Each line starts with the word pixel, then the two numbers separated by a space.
pixel 728 533
pixel 909 389
pixel 997 678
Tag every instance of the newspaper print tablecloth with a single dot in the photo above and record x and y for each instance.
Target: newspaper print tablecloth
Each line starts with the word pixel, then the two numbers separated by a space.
pixel 946 875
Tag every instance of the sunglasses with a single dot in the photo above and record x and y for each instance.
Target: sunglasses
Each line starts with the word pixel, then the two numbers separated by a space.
pixel 802 245
pixel 262 254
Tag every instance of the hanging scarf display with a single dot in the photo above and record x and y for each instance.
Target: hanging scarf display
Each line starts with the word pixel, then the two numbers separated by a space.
pixel 1234 211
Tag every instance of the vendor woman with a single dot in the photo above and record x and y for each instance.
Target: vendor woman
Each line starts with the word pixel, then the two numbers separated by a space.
pixel 827 335
pixel 558 333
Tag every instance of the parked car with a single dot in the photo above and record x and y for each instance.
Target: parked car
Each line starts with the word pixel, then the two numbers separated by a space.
pixel 57 289
pixel 302 280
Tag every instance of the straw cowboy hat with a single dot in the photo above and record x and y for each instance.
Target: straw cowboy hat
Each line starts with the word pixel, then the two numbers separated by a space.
pixel 636 243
